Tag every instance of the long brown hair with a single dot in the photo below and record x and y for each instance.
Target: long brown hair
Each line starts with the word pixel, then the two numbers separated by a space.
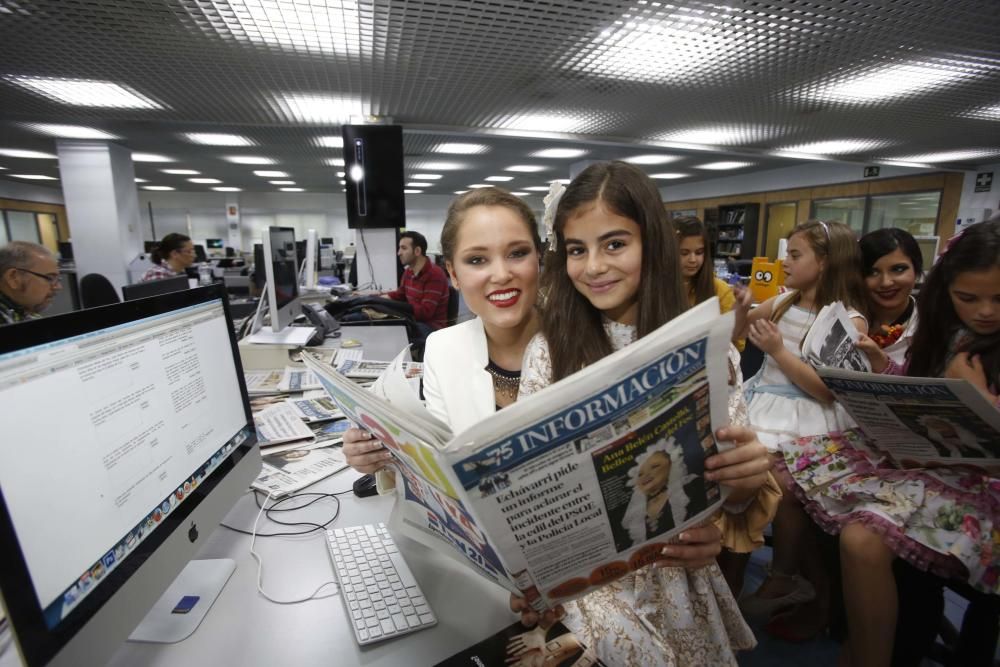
pixel 572 326
pixel 703 282
pixel 841 281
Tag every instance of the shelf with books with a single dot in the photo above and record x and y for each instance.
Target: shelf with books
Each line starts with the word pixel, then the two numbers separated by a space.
pixel 736 230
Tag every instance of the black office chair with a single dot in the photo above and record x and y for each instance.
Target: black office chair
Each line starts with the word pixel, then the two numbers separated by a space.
pixel 230 252
pixel 96 290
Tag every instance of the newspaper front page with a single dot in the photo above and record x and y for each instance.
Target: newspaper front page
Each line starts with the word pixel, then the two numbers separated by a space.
pixel 917 421
pixel 576 486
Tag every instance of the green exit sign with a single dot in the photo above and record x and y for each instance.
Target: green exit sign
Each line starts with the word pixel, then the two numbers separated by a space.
pixel 871 172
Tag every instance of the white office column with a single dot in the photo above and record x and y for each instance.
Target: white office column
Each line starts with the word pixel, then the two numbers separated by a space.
pixel 233 222
pixel 102 205
pixel 378 265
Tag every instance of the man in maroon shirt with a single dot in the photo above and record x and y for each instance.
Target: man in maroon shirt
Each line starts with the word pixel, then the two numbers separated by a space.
pixel 424 286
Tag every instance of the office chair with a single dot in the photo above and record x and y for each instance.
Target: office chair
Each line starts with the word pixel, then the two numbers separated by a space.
pixel 96 290
pixel 230 252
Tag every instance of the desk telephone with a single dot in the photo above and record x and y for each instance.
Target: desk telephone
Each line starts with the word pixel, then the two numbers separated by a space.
pixel 325 324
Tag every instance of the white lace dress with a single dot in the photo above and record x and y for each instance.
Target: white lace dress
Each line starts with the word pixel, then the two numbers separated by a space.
pixel 657 616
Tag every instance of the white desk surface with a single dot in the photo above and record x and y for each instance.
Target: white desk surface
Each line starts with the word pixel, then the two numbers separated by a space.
pixel 243 628
pixel 379 342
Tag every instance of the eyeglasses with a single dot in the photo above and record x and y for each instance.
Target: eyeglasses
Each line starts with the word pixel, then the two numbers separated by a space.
pixel 51 280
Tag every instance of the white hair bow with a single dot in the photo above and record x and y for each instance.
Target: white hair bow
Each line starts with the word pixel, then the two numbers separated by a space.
pixel 551 202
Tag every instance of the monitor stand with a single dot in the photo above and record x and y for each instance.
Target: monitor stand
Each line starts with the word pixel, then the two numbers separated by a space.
pixel 202 578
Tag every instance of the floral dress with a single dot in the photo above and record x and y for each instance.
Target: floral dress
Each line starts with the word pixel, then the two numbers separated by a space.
pixel 657 616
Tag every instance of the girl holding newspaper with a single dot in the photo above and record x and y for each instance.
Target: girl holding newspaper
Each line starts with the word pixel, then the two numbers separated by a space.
pixel 788 400
pixel 611 276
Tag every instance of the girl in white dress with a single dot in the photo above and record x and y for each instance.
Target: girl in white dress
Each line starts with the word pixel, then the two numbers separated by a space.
pixel 611 276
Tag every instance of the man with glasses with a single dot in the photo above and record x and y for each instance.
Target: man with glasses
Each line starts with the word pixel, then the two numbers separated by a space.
pixel 29 279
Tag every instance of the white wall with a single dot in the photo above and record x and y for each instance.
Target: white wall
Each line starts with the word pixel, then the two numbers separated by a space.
pixel 30 192
pixel 972 206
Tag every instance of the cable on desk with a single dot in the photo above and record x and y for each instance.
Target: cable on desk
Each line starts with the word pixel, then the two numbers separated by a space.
pixel 315 527
pixel 260 566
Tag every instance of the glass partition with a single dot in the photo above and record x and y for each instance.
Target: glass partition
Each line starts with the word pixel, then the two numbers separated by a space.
pixel 22 226
pixel 848 210
pixel 916 212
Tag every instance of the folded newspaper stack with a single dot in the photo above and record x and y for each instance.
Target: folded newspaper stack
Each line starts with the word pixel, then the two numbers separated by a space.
pixel 831 340
pixel 562 492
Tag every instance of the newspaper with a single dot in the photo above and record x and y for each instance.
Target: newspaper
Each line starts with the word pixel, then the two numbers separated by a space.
pixel 280 423
pixel 298 379
pixel 368 369
pixel 315 409
pixel 575 486
pixel 832 339
pixel 262 382
pixel 914 422
pixel 294 469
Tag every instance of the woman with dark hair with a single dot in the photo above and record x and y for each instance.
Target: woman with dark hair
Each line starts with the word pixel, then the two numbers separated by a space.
pixel 172 255
pixel 891 264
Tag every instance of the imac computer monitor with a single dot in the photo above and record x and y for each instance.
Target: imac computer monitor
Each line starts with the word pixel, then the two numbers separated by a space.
pixel 213 244
pixel 127 438
pixel 155 287
pixel 282 273
pixel 66 251
pixel 199 253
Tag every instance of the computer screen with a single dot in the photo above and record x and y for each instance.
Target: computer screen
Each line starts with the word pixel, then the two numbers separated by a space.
pixel 126 428
pixel 282 273
pixel 155 287
pixel 66 251
pixel 213 244
pixel 199 253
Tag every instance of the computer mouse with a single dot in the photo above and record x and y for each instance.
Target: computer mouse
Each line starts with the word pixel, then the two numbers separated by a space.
pixel 364 486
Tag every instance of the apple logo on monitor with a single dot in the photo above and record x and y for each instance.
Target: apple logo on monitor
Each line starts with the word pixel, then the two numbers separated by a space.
pixel 193 532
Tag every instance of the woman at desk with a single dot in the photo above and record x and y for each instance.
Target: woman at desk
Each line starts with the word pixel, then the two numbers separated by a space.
pixel 174 254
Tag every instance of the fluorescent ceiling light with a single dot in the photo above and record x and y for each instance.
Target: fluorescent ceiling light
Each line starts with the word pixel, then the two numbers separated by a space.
pixel 668 176
pixel 69 131
pixel 559 153
pixel 248 159
pixel 85 92
pixel 332 141
pixel 157 187
pixel 206 181
pixel 797 156
pixel 150 157
pixel 413 192
pixel 520 194
pixel 217 139
pixel 343 182
pixel 476 186
pixel 538 188
pixel 271 174
pixel 341 174
pixel 181 172
pixel 459 149
pixel 984 113
pixel 722 135
pixel 718 166
pixel 888 82
pixel 651 159
pixel 419 184
pixel 282 182
pixel 141 180
pixel 292 189
pixel 901 163
pixel 836 146
pixel 460 192
pixel 35 177
pixel 334 162
pixel 17 152
pixel 544 122
pixel 316 108
pixel 501 179
pixel 525 168
pixel 564 181
pixel 426 177
pixel 226 188
pixel 680 145
pixel 951 156
pixel 442 166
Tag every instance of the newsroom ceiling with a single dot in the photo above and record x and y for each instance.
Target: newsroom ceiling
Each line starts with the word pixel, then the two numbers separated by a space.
pixel 761 84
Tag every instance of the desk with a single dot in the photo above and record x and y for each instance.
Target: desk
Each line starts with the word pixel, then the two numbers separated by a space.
pixel 381 343
pixel 243 628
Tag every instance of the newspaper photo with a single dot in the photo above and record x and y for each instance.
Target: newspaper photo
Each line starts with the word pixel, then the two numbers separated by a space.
pixel 573 487
pixel 368 369
pixel 298 379
pixel 260 383
pixel 832 340
pixel 294 469
pixel 280 423
pixel 920 421
pixel 315 409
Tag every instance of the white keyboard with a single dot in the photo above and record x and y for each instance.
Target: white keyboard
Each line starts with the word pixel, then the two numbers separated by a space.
pixel 381 596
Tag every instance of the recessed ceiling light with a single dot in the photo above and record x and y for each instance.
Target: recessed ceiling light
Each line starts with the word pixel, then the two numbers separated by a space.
pixel 226 188
pixel 836 146
pixel 725 164
pixel 413 192
pixel 282 182
pixel 69 131
pixel 459 149
pixel 668 175
pixel 341 174
pixel 85 92
pixel 419 184
pixel 984 113
pixel 476 186
pixel 721 135
pixel 426 177
pixel 248 159
pixel 442 166
pixel 218 139
pixel 35 177
pixel 150 157
pixel 316 107
pixel 157 187
pixel 901 163
pixel 181 172
pixel 889 82
pixel 343 182
pixel 797 156
pixel 334 162
pixel 292 189
pixel 332 141
pixel 559 153
pixel 141 180
pixel 525 168
pixel 538 188
pixel 564 181
pixel 554 122
pixel 651 159
pixel 314 27
pixel 271 174
pixel 17 152
pixel 206 181
pixel 460 192
pixel 520 194
pixel 952 156
pixel 502 179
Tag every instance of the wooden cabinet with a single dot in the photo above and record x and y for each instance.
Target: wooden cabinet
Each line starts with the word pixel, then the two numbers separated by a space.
pixel 735 230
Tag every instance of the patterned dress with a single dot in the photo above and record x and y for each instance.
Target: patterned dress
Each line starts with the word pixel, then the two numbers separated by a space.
pixel 657 616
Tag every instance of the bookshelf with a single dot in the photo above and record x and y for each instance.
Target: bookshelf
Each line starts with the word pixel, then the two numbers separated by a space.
pixel 736 231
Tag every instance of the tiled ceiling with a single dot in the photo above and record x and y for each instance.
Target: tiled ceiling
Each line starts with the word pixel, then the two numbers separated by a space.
pixel 861 81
